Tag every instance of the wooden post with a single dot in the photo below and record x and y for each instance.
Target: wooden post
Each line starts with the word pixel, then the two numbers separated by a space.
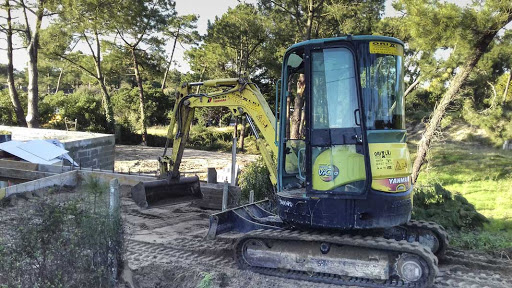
pixel 251 196
pixel 225 193
pixel 233 163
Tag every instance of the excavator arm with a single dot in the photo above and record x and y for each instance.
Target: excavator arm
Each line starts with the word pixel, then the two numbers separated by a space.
pixel 241 97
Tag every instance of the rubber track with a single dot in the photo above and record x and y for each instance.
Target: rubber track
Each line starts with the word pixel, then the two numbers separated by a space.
pixel 437 229
pixel 356 241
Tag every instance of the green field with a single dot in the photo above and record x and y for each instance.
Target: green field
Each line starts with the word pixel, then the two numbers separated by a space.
pixel 483 176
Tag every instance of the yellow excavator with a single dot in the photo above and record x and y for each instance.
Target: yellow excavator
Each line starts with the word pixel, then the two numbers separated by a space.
pixel 343 186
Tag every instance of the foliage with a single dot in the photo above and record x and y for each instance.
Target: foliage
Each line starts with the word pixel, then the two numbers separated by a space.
pixel 256 177
pixel 482 177
pixel 206 282
pixel 126 106
pixel 61 244
pixel 84 105
pixel 495 120
pixel 496 242
pixel 434 203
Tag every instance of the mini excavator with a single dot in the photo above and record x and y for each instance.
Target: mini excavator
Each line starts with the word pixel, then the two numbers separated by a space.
pixel 342 177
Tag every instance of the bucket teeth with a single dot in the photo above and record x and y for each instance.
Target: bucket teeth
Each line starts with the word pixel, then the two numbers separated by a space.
pixel 150 193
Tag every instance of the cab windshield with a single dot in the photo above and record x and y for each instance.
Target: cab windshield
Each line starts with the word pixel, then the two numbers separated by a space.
pixel 382 85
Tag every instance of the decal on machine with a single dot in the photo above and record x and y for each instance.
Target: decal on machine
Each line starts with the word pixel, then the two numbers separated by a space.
pixel 327 172
pixel 285 203
pixel 394 184
pixel 398 180
pixel 400 165
pixel 383 160
pixel 388 48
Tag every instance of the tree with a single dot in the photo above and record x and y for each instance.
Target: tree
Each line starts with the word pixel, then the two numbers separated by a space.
pixel 182 30
pixel 13 93
pixel 139 25
pixel 86 21
pixel 31 35
pixel 490 18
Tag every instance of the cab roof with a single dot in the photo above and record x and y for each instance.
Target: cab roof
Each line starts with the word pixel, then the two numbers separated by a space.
pixel 346 38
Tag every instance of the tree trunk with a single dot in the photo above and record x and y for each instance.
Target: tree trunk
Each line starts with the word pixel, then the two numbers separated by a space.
pixel 107 104
pixel 309 22
pixel 58 81
pixel 141 97
pixel 507 86
pixel 235 130
pixel 170 61
pixel 297 108
pixel 33 89
pixel 242 135
pixel 478 50
pixel 33 72
pixel 411 87
pixel 13 93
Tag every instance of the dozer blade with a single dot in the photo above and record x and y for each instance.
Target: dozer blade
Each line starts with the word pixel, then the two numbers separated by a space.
pixel 158 192
pixel 243 219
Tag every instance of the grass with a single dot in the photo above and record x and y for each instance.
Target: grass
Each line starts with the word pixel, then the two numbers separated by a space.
pixel 206 282
pixel 210 138
pixel 483 176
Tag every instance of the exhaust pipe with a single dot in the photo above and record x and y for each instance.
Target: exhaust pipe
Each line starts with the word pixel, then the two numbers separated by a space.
pixel 157 192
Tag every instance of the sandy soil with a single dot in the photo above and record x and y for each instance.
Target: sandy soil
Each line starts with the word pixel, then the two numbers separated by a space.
pixel 136 158
pixel 165 246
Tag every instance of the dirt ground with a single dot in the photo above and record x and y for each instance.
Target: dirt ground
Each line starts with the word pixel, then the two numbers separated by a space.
pixel 165 246
pixel 136 158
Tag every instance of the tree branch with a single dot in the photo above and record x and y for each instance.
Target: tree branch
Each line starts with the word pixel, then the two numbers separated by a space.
pixel 77 65
pixel 90 46
pixel 411 87
pixel 283 8
pixel 27 30
pixel 22 3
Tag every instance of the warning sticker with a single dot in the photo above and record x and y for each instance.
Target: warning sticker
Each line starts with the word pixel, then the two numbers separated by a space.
pixel 388 48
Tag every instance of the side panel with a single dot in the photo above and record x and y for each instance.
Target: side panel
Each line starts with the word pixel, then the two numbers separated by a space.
pixel 390 164
pixel 337 166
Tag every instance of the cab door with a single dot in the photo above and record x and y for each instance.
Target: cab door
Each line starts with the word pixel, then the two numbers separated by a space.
pixel 335 154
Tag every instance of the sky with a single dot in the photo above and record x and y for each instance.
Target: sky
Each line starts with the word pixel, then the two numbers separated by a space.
pixel 206 9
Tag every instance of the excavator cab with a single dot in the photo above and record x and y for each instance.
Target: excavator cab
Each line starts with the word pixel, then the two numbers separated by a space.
pixel 343 161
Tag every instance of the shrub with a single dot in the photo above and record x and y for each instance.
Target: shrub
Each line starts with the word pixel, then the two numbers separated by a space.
pixel 127 108
pixel 63 243
pixel 85 105
pixel 494 120
pixel 256 177
pixel 434 203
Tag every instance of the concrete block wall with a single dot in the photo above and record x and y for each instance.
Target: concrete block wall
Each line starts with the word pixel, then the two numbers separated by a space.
pixel 98 153
pixel 88 149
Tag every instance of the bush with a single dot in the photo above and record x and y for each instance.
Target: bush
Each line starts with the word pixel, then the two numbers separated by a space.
pixel 63 244
pixel 85 105
pixel 127 106
pixel 256 177
pixel 7 115
pixel 454 212
pixel 494 120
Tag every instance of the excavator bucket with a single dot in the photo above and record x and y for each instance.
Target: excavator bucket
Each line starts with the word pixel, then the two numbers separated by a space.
pixel 164 191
